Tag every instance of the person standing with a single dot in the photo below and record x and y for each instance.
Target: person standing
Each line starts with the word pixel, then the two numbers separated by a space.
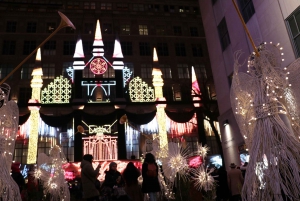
pixel 235 182
pixel 132 188
pixel 78 146
pixel 89 178
pixel 150 183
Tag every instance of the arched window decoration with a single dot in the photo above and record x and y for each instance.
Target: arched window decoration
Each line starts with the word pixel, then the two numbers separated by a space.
pixel 139 91
pixel 58 91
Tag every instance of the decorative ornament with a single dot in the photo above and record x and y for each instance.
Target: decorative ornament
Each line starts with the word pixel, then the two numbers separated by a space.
pixel 51 173
pixel 98 66
pixel 266 104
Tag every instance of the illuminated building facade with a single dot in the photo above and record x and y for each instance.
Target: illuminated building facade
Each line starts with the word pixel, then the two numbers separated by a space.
pixel 100 72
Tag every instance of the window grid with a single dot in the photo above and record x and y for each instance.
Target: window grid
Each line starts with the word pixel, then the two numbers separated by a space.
pixel 223 34
pixel 11 26
pixel 69 47
pixel 138 7
pixel 106 28
pixel 146 70
pixel 122 6
pixel 125 29
pixel 143 30
pixel 180 49
pixel 177 30
pixel 183 71
pixel 166 71
pixel 109 47
pixel 194 31
pixel 50 27
pixel 9 47
pixel 197 50
pixel 48 71
pixel 200 72
pixel 162 49
pixel 31 27
pixel 247 9
pixel 106 6
pixel 29 46
pixel 294 29
pixel 26 71
pixel 160 30
pixel 87 73
pixel 145 49
pixel 126 48
pixel 89 5
pixel 50 48
pixel 21 151
pixel 5 69
pixel 87 47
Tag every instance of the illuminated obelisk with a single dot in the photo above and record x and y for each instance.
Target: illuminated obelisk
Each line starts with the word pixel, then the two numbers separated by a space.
pixel 158 83
pixel 36 85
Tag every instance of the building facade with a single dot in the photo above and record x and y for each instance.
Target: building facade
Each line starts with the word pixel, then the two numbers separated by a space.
pixel 267 21
pixel 174 28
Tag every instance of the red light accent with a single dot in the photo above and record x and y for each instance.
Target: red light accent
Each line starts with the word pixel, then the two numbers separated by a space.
pixel 195 161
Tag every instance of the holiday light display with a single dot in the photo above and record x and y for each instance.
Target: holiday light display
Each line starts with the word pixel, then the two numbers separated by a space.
pixel 58 91
pixel 36 85
pixel 266 106
pixel 51 174
pixel 139 91
pixel 9 112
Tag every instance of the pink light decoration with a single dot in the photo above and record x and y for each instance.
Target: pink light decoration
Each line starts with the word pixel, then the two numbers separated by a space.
pixel 33 107
pixel 195 161
pixel 117 50
pixel 79 50
pixel 179 129
pixel 73 170
pixel 195 88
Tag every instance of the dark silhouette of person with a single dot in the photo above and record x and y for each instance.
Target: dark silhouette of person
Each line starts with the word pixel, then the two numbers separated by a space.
pixel 222 184
pixel 89 178
pixel 132 188
pixel 17 176
pixel 78 145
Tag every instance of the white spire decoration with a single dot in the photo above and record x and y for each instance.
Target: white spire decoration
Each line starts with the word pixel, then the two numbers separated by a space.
pixel 118 63
pixel 78 63
pixel 195 88
pixel 266 109
pixel 52 175
pixel 98 45
pixel 9 113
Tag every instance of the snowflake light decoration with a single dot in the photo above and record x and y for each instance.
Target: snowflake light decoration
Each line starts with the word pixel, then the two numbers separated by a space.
pixel 139 91
pixel 203 180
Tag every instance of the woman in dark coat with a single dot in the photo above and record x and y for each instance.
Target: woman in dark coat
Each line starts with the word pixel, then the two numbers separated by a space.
pixel 132 188
pixel 150 181
pixel 88 178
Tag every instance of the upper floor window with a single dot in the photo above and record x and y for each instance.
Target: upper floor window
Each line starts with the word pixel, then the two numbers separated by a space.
pixel 181 9
pixel 88 28
pixel 183 71
pixel 11 26
pixel 125 29
pixel 69 47
pixel 107 28
pixel 89 5
pixel 126 48
pixel 9 47
pixel 200 72
pixel 31 27
pixel 194 31
pixel 48 71
pixel 294 29
pixel 162 49
pixel 50 48
pixel 177 30
pixel 223 34
pixel 146 70
pixel 197 50
pixel 5 69
pixel 50 27
pixel 145 49
pixel 166 71
pixel 180 49
pixel 106 6
pixel 29 46
pixel 172 9
pixel 69 30
pixel 138 7
pixel 73 5
pixel 143 30
pixel 87 47
pixel 109 47
pixel 122 6
pixel 26 71
pixel 160 30
pixel 247 9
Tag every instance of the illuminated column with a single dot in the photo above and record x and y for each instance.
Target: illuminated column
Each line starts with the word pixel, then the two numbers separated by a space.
pixel 78 67
pixel 36 85
pixel 158 83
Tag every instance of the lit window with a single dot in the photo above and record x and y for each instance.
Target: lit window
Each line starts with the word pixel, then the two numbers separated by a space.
pixel 50 27
pixel 48 71
pixel 26 71
pixel 166 71
pixel 125 29
pixel 143 30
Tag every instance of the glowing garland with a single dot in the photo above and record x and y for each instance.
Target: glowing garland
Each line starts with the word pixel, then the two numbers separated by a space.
pixel 139 91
